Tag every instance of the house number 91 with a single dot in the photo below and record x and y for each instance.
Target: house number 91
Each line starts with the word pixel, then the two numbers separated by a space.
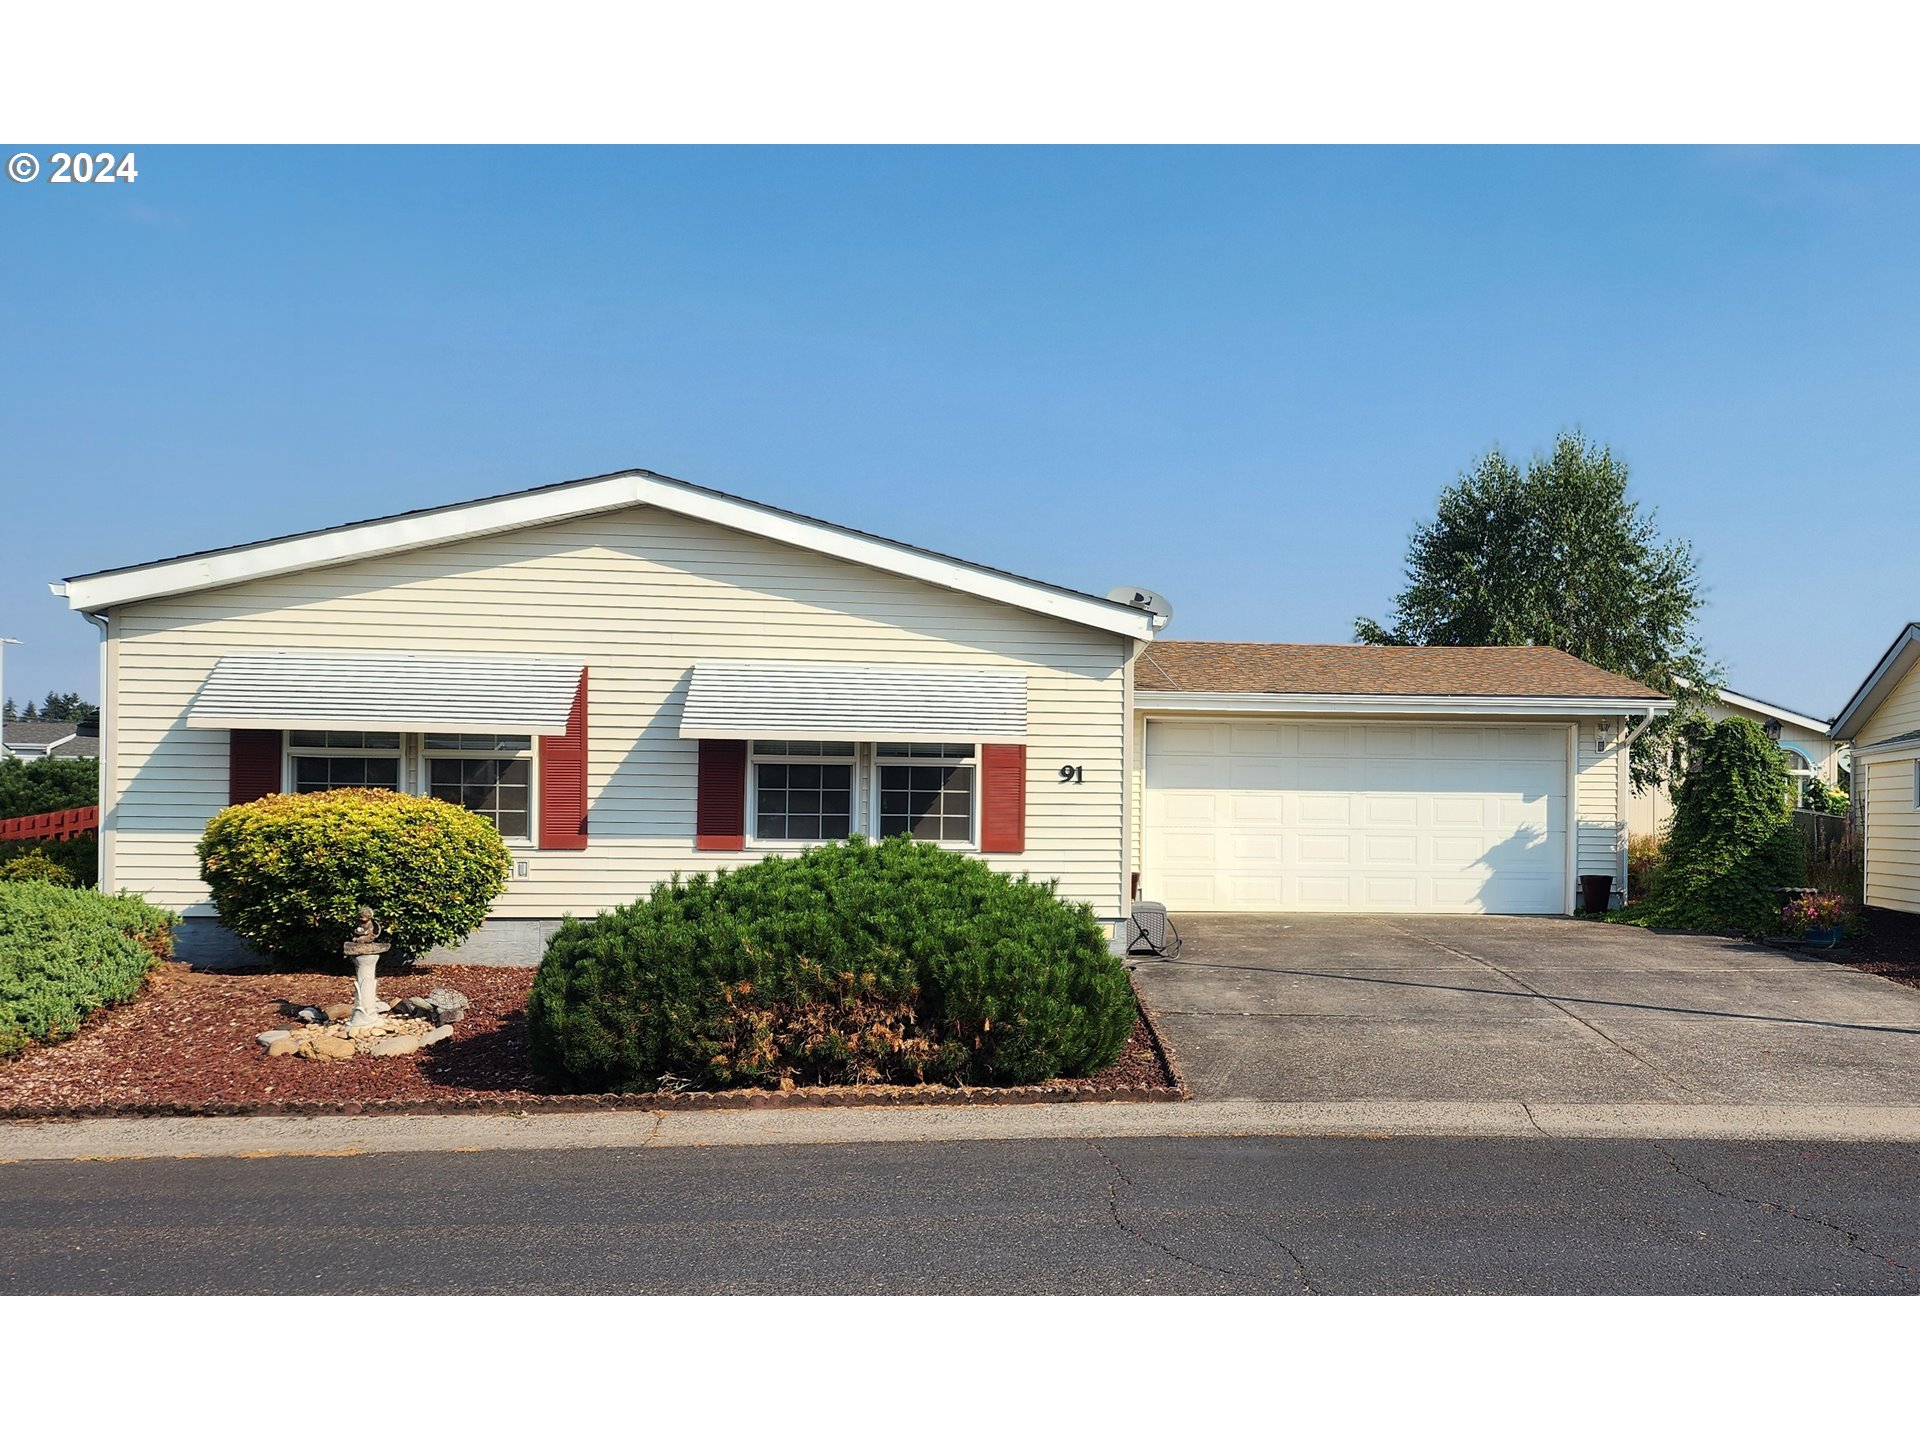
pixel 1071 775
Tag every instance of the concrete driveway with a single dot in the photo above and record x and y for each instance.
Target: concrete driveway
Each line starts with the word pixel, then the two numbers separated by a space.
pixel 1343 1007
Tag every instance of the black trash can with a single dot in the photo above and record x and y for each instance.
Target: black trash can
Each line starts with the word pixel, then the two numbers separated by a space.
pixel 1595 892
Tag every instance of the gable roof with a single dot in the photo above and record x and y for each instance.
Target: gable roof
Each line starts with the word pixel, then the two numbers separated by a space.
pixel 1767 707
pixel 1483 672
pixel 59 737
pixel 599 494
pixel 1892 669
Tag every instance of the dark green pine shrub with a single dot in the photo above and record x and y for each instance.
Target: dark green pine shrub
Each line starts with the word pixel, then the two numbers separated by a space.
pixel 1732 844
pixel 35 787
pixel 289 873
pixel 64 953
pixel 850 962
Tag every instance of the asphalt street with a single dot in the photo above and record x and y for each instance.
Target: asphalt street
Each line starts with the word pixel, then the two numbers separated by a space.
pixel 1143 1215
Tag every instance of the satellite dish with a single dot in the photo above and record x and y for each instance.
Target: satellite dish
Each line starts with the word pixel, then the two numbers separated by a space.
pixel 1151 601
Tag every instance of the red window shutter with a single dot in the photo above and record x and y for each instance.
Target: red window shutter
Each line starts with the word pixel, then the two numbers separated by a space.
pixel 1003 799
pixel 253 765
pixel 720 819
pixel 563 780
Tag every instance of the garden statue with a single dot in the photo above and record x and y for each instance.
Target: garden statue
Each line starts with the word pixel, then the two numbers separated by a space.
pixel 365 950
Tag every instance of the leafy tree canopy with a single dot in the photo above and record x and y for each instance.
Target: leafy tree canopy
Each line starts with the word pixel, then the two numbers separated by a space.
pixel 1557 554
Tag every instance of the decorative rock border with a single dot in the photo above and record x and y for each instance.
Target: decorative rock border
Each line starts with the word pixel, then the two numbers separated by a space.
pixel 800 1098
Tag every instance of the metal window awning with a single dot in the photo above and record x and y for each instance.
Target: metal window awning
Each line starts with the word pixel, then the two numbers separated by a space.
pixel 866 702
pixel 337 690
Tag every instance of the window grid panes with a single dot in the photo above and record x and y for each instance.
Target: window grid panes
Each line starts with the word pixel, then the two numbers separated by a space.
pixel 315 773
pixel 802 801
pixel 922 751
pixel 491 775
pixel 344 740
pixel 928 802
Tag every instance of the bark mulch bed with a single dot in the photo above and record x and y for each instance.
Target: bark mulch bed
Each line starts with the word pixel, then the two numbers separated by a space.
pixel 1889 948
pixel 185 1046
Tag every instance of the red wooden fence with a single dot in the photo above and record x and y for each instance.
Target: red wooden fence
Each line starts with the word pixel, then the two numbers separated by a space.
pixel 54 825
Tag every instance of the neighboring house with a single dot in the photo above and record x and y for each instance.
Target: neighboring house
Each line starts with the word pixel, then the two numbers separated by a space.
pixel 1809 751
pixel 37 739
pixel 1882 724
pixel 635 677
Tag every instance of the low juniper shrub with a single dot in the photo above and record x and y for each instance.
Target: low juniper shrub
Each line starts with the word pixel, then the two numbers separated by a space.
pixel 851 962
pixel 64 953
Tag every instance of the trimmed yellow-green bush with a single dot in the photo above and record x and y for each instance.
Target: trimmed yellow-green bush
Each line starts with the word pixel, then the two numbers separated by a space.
pixel 64 953
pixel 34 865
pixel 289 873
pixel 850 962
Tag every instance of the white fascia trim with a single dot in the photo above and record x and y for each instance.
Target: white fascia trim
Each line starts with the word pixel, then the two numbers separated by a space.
pixel 1230 703
pixel 615 492
pixel 1792 717
pixel 1843 727
pixel 1899 748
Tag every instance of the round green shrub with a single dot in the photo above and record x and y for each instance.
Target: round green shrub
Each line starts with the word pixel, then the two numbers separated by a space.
pixel 895 962
pixel 289 873
pixel 1731 844
pixel 35 866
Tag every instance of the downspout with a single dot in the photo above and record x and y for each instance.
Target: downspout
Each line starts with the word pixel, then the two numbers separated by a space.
pixel 104 867
pixel 1626 789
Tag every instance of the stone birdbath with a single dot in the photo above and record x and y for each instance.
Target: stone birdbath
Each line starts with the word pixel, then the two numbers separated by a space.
pixel 365 949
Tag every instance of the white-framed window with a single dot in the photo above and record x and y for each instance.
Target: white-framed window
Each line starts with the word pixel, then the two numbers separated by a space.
pixel 801 790
pixel 928 791
pixel 1916 784
pixel 1800 770
pixel 491 775
pixel 320 760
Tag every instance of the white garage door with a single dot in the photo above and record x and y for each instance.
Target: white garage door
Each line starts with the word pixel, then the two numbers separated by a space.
pixel 1295 815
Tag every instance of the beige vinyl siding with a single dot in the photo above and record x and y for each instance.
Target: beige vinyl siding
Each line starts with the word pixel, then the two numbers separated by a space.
pixel 1598 843
pixel 1899 713
pixel 639 597
pixel 1893 834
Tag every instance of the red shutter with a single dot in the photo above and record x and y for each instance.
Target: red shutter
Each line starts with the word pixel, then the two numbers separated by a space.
pixel 253 765
pixel 720 819
pixel 563 780
pixel 1003 799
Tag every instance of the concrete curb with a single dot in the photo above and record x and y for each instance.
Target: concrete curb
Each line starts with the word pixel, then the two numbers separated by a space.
pixel 267 1137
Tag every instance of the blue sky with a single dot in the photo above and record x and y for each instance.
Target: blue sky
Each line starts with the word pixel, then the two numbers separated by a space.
pixel 1238 376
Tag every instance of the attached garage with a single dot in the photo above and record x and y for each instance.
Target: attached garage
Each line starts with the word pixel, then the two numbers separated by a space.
pixel 1379 779
pixel 1320 815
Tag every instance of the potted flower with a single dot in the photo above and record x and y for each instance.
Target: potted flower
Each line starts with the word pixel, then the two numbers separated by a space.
pixel 1816 919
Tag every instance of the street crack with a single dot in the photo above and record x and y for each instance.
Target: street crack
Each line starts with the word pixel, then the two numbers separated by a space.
pixel 1120 1177
pixel 1851 1237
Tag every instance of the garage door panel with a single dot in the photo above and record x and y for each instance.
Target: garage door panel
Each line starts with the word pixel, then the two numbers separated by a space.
pixel 1316 816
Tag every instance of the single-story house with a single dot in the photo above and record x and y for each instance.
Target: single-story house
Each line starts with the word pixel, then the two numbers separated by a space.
pixel 1882 724
pixel 633 676
pixel 1809 751
pixel 37 739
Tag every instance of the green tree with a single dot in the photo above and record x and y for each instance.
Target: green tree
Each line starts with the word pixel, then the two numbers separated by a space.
pixel 33 788
pixel 1731 845
pixel 1557 554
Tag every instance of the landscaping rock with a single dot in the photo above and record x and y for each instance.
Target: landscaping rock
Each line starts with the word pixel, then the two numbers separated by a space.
pixel 340 1010
pixel 435 1035
pixel 322 1046
pixel 282 1047
pixel 309 1014
pixel 268 1038
pixel 414 1005
pixel 397 1045
pixel 449 1005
